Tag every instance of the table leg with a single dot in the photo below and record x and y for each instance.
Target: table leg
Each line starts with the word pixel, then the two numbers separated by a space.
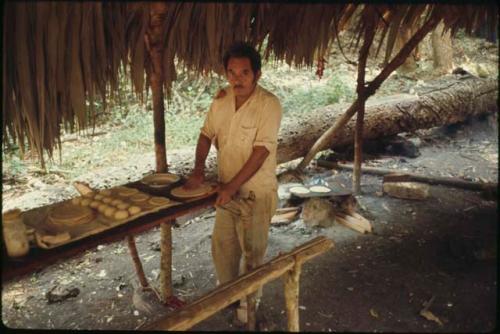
pixel 137 261
pixel 166 261
pixel 166 268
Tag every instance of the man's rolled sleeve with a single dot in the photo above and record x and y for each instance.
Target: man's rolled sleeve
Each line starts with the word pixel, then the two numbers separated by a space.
pixel 269 124
pixel 208 128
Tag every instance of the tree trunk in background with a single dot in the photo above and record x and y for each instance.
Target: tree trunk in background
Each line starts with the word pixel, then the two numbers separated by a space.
pixel 448 100
pixel 442 51
pixel 410 64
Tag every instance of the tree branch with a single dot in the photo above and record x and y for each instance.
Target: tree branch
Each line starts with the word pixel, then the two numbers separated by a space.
pixel 369 90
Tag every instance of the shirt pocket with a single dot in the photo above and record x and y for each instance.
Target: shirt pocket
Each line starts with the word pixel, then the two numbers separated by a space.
pixel 246 136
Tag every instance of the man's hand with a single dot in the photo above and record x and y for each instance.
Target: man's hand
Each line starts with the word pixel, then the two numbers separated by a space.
pixel 194 180
pixel 225 194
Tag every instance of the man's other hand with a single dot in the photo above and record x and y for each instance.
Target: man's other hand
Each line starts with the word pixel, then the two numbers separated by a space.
pixel 225 194
pixel 194 180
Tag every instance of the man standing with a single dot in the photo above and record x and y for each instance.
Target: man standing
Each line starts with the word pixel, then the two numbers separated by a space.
pixel 243 124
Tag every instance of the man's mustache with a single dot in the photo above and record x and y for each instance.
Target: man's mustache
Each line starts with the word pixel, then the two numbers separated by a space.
pixel 238 86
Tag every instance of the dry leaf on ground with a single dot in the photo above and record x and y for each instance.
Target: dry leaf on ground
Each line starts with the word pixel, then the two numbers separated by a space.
pixel 430 316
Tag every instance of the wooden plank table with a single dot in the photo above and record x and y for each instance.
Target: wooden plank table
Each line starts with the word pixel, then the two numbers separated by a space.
pixel 39 258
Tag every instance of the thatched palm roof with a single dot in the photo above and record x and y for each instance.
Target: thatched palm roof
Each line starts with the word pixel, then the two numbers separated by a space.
pixel 60 57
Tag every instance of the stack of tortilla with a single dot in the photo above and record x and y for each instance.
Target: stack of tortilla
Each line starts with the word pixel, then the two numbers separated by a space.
pixel 160 180
pixel 202 190
pixel 70 215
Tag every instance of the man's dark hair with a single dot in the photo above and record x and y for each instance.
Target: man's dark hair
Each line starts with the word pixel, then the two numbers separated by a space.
pixel 243 50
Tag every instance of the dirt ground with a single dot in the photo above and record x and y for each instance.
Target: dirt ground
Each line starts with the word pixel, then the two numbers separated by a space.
pixel 442 249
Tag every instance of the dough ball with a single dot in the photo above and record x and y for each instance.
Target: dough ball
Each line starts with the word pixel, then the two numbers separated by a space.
pixel 85 202
pixel 98 197
pixel 76 200
pixel 94 204
pixel 107 200
pixel 121 214
pixel 123 206
pixel 102 207
pixel 116 202
pixel 133 210
pixel 110 211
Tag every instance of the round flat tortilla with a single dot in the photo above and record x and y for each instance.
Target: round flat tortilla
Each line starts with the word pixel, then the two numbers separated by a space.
pixel 202 190
pixel 320 189
pixel 158 201
pixel 70 214
pixel 126 192
pixel 139 197
pixel 299 190
pixel 160 179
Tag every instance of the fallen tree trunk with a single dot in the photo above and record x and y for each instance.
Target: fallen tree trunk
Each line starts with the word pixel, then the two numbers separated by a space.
pixel 451 99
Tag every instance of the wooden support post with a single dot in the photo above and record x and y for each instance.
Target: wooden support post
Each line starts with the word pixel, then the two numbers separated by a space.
pixel 154 43
pixel 358 150
pixel 166 261
pixel 291 283
pixel 137 261
pixel 242 286
pixel 369 20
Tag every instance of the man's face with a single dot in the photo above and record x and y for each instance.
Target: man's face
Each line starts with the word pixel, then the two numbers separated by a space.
pixel 241 77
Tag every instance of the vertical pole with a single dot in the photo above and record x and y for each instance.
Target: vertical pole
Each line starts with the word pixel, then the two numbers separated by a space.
pixel 358 148
pixel 291 282
pixel 361 91
pixel 155 43
pixel 166 261
pixel 155 48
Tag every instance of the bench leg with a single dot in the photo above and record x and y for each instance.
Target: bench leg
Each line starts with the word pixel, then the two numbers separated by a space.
pixel 291 280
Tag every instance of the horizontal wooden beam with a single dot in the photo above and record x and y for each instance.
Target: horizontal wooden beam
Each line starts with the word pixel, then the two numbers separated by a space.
pixel 233 291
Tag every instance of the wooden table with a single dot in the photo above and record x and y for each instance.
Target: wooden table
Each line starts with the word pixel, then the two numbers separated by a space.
pixel 39 258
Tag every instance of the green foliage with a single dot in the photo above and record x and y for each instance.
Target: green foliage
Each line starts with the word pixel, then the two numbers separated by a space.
pixel 12 166
pixel 301 91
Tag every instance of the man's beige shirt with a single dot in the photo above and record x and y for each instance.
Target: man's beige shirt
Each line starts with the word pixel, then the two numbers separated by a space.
pixel 235 133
